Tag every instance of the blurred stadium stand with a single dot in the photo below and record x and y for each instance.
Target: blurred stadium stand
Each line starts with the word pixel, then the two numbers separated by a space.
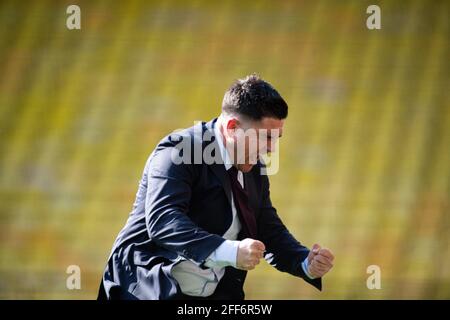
pixel 365 158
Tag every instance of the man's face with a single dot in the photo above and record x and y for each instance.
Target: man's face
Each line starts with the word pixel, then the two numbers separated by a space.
pixel 252 139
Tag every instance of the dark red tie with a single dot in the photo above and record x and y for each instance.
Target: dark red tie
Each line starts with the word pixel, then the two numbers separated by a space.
pixel 246 214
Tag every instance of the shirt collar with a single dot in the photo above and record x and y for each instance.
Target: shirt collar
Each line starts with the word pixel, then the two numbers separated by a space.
pixel 223 151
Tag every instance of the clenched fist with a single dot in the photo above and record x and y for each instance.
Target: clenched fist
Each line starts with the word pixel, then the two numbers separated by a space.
pixel 249 253
pixel 320 261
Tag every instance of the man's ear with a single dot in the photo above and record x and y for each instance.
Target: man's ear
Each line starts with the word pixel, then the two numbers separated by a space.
pixel 232 124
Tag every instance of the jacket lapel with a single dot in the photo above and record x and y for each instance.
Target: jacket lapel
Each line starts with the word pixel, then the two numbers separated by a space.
pixel 218 168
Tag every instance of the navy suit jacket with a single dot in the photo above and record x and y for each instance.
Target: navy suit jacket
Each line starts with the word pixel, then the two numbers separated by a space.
pixel 182 211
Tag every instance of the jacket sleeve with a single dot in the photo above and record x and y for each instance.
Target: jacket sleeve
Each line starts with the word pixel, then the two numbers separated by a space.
pixel 283 251
pixel 169 189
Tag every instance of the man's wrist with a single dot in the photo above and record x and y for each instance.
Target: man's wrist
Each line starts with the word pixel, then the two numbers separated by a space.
pixel 305 265
pixel 225 255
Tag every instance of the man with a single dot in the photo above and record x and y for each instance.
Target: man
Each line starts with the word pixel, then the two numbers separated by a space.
pixel 197 227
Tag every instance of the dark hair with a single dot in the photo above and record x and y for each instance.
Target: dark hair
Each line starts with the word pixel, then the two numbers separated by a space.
pixel 255 98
